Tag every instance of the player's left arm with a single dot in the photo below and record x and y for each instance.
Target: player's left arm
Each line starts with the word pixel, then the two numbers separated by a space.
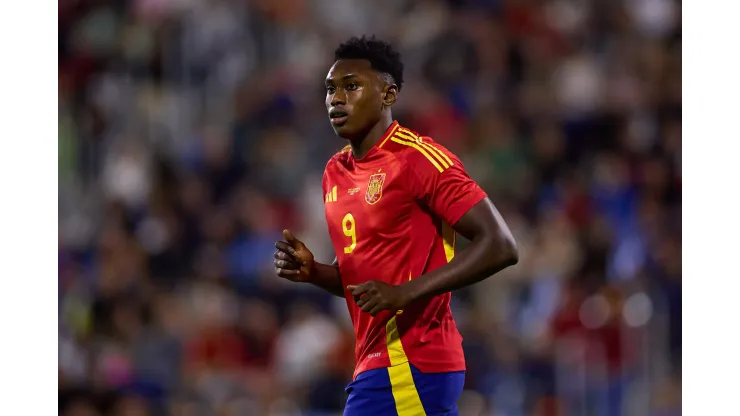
pixel 438 180
pixel 492 248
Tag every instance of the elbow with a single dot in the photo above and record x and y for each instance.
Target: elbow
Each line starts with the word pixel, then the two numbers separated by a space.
pixel 504 254
pixel 509 252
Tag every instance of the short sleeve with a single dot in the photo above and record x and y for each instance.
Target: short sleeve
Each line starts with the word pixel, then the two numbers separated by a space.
pixel 439 180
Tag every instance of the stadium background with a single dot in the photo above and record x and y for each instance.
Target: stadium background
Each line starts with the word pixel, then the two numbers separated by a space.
pixel 192 131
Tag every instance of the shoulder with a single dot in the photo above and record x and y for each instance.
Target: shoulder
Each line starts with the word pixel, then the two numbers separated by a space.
pixel 419 152
pixel 339 158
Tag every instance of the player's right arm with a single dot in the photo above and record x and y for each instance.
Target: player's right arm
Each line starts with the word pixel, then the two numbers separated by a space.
pixel 295 262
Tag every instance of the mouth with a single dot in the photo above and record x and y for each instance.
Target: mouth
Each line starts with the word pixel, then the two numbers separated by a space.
pixel 338 117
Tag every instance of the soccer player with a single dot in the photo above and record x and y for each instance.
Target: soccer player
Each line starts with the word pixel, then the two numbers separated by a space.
pixel 394 201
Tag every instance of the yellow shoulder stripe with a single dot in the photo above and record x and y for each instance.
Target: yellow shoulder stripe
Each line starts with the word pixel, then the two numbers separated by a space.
pixel 436 160
pixel 390 134
pixel 440 155
pixel 420 149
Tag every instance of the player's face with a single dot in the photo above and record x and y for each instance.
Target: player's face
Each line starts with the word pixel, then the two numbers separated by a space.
pixel 354 97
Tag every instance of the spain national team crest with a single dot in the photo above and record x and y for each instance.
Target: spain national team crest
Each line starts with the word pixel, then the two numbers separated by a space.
pixel 375 188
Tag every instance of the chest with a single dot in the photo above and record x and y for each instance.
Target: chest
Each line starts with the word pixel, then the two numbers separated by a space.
pixel 364 203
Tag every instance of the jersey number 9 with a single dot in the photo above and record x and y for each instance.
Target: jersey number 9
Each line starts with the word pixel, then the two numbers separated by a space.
pixel 348 225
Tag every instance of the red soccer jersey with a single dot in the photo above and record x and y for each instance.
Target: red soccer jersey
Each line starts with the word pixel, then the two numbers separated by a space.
pixel 389 216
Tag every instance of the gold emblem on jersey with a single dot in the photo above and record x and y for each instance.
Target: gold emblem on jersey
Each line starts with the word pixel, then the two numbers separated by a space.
pixel 375 188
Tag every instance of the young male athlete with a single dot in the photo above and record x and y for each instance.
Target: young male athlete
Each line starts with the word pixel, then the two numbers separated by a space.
pixel 393 201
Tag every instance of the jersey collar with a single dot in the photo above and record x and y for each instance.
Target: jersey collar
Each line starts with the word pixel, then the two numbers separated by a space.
pixel 389 132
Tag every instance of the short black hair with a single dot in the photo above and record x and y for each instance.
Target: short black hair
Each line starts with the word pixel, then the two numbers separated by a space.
pixel 381 55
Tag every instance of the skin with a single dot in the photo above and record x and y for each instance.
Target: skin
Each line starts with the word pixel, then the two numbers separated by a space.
pixel 352 86
pixel 364 95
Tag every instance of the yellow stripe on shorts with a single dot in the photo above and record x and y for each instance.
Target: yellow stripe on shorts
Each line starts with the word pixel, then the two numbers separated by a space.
pixel 408 402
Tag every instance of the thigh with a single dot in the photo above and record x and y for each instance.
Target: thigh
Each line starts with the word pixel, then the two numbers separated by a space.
pixel 403 390
pixel 370 395
pixel 439 392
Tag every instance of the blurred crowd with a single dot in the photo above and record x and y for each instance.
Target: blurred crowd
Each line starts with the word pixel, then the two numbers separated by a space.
pixel 191 132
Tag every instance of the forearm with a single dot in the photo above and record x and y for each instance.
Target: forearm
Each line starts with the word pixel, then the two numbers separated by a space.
pixel 327 277
pixel 482 258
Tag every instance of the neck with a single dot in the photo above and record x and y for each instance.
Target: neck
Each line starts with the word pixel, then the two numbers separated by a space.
pixel 362 145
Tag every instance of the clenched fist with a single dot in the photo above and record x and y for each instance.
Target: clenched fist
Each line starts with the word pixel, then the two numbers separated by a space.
pixel 293 261
pixel 374 296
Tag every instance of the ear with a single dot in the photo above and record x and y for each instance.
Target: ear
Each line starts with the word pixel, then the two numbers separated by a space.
pixel 390 94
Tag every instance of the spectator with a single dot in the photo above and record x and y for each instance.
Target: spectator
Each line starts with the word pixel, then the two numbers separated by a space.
pixel 192 132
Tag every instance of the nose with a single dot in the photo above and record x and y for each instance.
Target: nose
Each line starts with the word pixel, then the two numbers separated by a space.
pixel 338 98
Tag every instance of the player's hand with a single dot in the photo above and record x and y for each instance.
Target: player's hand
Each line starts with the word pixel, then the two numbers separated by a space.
pixel 374 296
pixel 293 261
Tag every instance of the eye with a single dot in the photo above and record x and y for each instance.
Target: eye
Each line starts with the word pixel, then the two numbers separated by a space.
pixel 330 89
pixel 352 87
